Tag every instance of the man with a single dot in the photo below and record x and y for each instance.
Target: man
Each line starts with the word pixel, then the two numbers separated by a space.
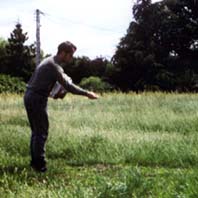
pixel 46 75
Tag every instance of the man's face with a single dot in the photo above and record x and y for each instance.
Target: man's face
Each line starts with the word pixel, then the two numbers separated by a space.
pixel 67 58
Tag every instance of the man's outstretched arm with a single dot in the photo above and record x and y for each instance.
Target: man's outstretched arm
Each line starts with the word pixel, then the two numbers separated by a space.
pixel 67 83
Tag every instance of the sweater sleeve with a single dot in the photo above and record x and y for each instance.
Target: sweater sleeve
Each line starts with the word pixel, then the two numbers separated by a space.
pixel 67 83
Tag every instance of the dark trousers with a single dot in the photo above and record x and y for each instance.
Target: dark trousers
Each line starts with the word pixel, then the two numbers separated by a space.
pixel 36 108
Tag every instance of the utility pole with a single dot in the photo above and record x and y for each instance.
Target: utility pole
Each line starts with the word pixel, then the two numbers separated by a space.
pixel 38 43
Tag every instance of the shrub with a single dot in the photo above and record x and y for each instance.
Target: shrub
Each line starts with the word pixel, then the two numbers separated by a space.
pixel 95 84
pixel 10 84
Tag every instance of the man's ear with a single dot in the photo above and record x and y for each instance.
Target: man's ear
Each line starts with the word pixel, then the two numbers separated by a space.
pixel 62 54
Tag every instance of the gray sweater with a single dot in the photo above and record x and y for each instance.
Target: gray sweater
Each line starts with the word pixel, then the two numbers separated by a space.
pixel 45 76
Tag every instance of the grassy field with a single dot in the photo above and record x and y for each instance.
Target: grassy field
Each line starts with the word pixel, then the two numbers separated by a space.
pixel 122 146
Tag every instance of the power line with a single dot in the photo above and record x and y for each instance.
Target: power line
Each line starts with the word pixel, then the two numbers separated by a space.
pixel 62 20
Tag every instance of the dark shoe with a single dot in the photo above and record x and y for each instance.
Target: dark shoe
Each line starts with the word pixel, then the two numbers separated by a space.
pixel 39 167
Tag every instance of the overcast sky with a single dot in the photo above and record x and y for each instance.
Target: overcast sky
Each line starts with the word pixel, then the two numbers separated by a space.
pixel 94 26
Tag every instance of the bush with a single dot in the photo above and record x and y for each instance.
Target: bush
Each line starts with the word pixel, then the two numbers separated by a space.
pixel 10 84
pixel 95 84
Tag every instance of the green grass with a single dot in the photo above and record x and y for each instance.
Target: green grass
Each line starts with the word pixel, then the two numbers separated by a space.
pixel 122 145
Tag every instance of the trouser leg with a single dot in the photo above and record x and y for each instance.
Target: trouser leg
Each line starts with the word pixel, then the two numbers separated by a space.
pixel 39 136
pixel 36 108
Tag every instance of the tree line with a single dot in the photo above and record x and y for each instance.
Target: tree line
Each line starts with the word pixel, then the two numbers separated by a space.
pixel 158 52
pixel 160 49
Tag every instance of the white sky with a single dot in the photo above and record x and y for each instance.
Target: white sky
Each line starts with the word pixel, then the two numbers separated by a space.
pixel 94 26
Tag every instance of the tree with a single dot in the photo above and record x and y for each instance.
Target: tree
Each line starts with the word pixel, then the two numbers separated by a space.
pixel 3 44
pixel 160 46
pixel 83 67
pixel 134 57
pixel 20 57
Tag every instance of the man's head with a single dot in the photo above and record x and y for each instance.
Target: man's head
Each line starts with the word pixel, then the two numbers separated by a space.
pixel 65 51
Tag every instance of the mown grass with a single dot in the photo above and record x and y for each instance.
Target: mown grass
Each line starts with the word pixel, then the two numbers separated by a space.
pixel 122 145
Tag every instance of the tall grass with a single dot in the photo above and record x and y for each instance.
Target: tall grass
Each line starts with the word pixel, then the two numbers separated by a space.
pixel 122 145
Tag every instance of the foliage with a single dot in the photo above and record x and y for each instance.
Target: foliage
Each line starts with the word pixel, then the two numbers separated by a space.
pixel 20 57
pixel 160 45
pixel 83 67
pixel 3 44
pixel 10 84
pixel 95 84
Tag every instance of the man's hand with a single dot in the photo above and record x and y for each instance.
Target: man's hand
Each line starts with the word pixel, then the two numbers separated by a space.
pixel 92 95
pixel 60 94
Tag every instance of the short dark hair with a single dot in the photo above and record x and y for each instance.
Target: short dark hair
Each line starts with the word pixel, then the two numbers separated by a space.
pixel 67 47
